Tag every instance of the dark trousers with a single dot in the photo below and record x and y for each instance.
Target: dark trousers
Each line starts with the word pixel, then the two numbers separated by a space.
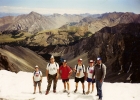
pixel 50 79
pixel 99 88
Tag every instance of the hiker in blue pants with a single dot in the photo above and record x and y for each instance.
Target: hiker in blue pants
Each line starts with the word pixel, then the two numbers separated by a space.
pixel 99 72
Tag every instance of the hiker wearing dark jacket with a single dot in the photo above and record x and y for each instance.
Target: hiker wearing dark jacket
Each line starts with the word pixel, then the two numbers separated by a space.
pixel 99 72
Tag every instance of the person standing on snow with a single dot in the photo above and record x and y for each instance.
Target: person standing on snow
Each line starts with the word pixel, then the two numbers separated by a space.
pixel 99 72
pixel 52 73
pixel 65 72
pixel 37 79
pixel 89 74
pixel 79 75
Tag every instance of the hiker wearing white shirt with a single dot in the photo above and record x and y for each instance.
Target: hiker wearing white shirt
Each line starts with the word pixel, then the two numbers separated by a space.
pixel 89 74
pixel 37 79
pixel 79 75
pixel 52 73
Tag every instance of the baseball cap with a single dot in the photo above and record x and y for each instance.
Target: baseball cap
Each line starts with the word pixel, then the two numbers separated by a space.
pixel 98 58
pixel 36 66
pixel 80 59
pixel 91 61
pixel 64 61
pixel 51 57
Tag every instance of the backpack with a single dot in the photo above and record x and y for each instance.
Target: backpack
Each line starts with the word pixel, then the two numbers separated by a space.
pixel 82 68
pixel 55 64
pixel 35 72
pixel 88 67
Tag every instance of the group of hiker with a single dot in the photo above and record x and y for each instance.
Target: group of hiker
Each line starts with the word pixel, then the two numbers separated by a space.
pixel 94 73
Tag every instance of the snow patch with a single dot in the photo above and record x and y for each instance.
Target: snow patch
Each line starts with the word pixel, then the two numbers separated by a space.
pixel 20 87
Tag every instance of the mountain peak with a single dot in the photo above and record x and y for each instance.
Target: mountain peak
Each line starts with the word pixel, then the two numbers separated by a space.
pixel 34 13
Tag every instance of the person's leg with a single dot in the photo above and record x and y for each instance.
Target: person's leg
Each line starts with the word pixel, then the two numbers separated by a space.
pixel 97 87
pixel 92 87
pixel 54 83
pixel 35 84
pixel 68 85
pixel 88 80
pixel 64 84
pixel 49 83
pixel 39 87
pixel 83 85
pixel 89 86
pixel 76 84
pixel 34 89
pixel 93 81
pixel 100 89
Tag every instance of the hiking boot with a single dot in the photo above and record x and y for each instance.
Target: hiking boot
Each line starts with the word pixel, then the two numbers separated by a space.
pixel 87 92
pixel 47 92
pixel 54 91
pixel 64 91
pixel 75 90
pixel 40 92
pixel 97 94
pixel 83 92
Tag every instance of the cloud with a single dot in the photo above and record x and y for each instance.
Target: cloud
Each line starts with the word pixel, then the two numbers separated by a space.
pixel 11 9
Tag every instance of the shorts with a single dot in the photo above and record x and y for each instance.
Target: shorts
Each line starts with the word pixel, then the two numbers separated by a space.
pixel 82 80
pixel 90 80
pixel 37 83
pixel 65 80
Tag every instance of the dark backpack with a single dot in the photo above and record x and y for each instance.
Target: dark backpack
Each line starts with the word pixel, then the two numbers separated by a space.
pixel 82 67
pixel 55 64
pixel 35 72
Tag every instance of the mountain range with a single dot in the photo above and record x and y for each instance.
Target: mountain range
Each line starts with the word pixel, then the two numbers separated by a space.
pixel 34 22
pixel 112 36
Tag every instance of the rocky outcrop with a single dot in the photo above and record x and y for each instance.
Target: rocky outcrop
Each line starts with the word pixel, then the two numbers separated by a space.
pixel 6 64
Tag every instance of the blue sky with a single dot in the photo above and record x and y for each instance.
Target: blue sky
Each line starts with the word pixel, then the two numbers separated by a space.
pixel 69 6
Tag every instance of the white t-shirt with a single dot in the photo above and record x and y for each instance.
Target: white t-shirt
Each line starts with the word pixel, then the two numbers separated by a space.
pixel 52 68
pixel 90 71
pixel 81 70
pixel 37 75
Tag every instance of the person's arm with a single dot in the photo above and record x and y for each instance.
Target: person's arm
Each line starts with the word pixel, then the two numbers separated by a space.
pixel 40 76
pixel 104 72
pixel 33 79
pixel 70 72
pixel 60 71
pixel 47 71
pixel 87 73
pixel 47 74
pixel 57 71
pixel 93 73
